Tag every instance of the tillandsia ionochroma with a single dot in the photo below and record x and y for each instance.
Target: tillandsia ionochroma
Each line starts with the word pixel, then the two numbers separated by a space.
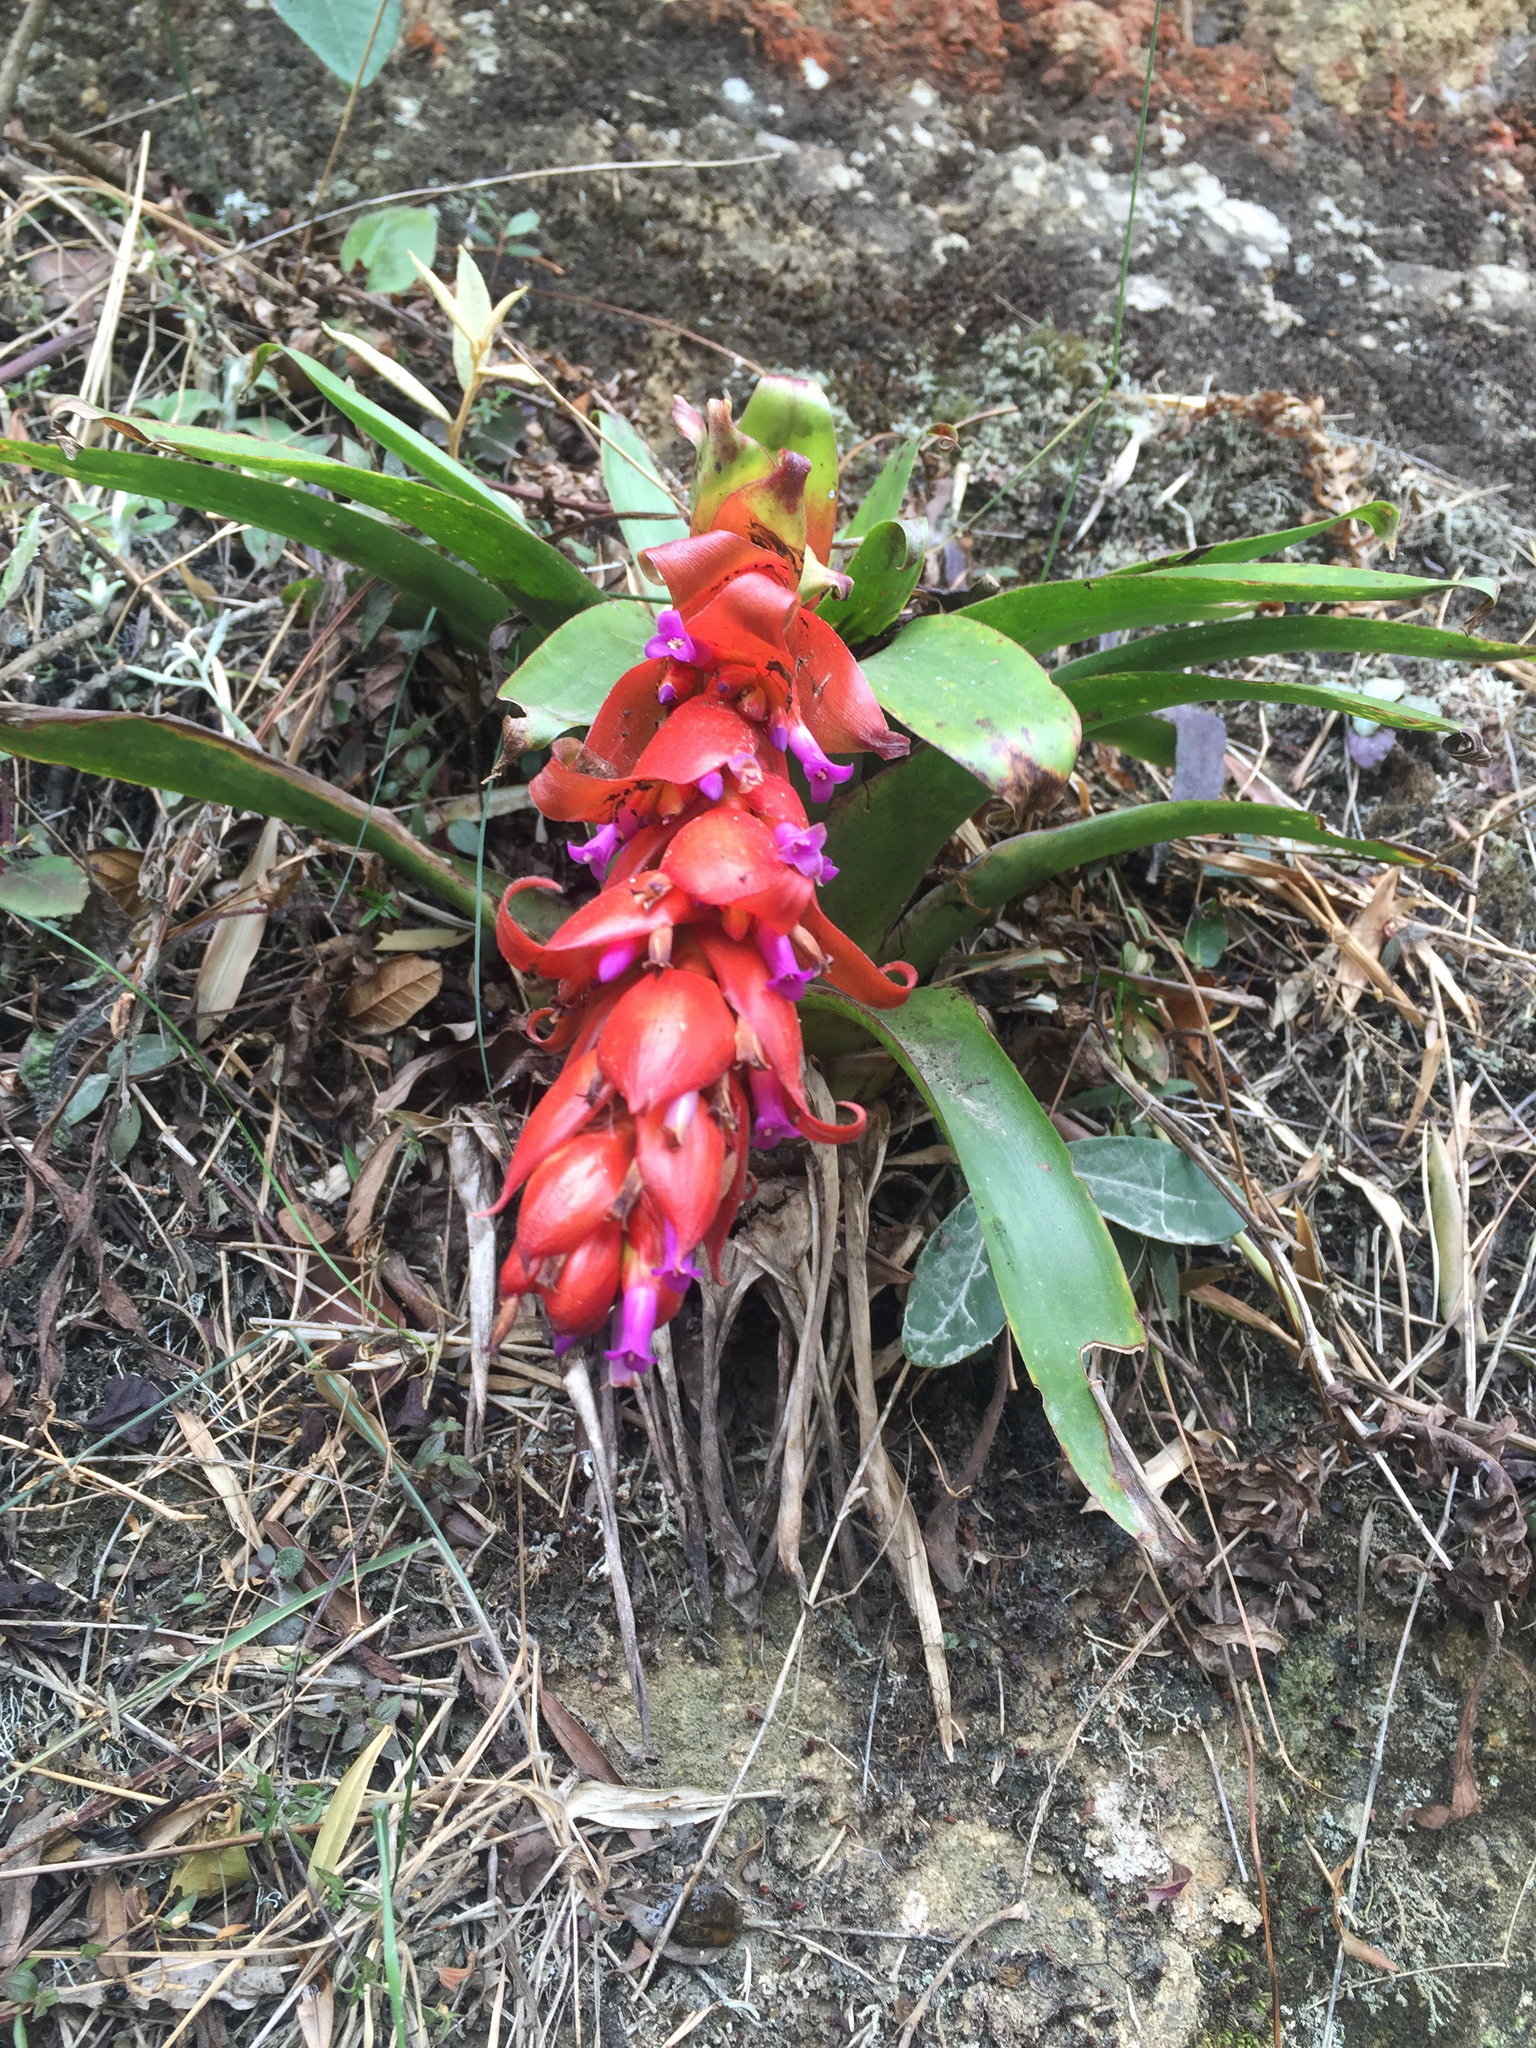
pixel 677 984
pixel 741 684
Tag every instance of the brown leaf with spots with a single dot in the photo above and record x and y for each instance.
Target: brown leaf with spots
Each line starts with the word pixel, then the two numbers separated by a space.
pixel 392 997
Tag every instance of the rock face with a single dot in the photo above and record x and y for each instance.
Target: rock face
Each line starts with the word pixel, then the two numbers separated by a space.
pixel 921 180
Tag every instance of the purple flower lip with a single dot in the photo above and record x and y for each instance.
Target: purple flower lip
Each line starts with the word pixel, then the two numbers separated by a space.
pixel 771 1121
pixel 823 775
pixel 672 641
pixel 599 850
pixel 712 785
pixel 619 959
pixel 787 976
pixel 666 694
pixel 676 1272
pixel 636 1325
pixel 801 848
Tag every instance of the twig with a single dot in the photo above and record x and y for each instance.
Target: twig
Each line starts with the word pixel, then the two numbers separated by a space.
pixel 45 352
pixel 578 1385
pixel 16 52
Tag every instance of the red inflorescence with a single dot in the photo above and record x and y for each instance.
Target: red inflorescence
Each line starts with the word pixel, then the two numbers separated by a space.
pixel 676 985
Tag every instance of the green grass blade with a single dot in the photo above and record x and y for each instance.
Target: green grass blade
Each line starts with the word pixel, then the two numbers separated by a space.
pixel 1041 616
pixel 470 605
pixel 1197 647
pixel 986 702
pixel 413 449
pixel 1380 516
pixel 884 834
pixel 888 493
pixel 1105 699
pixel 634 485
pixel 885 571
pixel 1015 866
pixel 1038 1219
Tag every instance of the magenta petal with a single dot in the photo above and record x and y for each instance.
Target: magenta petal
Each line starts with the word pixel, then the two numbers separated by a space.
pixel 636 1320
pixel 823 775
pixel 771 1119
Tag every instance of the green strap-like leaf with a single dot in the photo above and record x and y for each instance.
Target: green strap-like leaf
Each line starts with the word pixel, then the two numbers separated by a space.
pixel 885 572
pixel 634 485
pixel 1149 1186
pixel 413 449
pixel 1380 516
pixel 1056 1268
pixel 883 835
pixel 888 493
pixel 174 754
pixel 470 605
pixel 564 681
pixel 1103 701
pixel 1041 616
pixel 971 691
pixel 1015 866
pixel 1198 647
pixel 487 537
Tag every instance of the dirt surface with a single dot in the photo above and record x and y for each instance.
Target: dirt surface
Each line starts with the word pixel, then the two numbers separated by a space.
pixel 1322 231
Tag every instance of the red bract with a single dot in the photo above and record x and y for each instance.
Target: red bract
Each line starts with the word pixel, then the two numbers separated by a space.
pixel 676 985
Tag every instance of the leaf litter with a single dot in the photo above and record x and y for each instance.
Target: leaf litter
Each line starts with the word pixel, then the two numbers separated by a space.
pixel 223 1427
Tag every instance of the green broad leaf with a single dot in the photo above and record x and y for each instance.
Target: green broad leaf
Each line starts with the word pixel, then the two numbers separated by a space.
pixel 127 1131
pixel 1205 936
pixel 384 243
pixel 1144 739
pixel 885 833
pixel 48 886
pixel 352 38
pixel 469 605
pixel 792 412
pixel 888 493
pixel 1015 866
pixel 152 1050
pixel 1197 647
pixel 487 537
pixel 1104 700
pixel 564 681
pixel 424 456
pixel 19 561
pixel 1380 516
pixel 953 1307
pixel 885 572
pixel 172 753
pixel 1149 1186
pixel 635 485
pixel 1057 1272
pixel 970 691
pixel 1046 615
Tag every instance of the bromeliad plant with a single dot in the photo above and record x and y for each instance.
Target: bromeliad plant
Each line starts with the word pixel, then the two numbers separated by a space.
pixel 723 913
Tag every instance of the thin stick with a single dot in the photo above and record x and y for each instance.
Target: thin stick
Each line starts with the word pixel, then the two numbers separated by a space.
pixel 17 51
pixel 578 1385
pixel 341 136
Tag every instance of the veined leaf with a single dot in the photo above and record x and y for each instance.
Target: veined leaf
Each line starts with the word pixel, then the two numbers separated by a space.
pixel 953 1307
pixel 792 412
pixel 488 537
pixel 380 242
pixel 969 690
pixel 1057 1271
pixel 1380 516
pixel 567 676
pixel 1152 1187
pixel 885 572
pixel 50 885
pixel 888 493
pixel 469 605
pixel 1103 700
pixel 1197 647
pixel 343 35
pixel 634 485
pixel 345 1806
pixel 1015 866
pixel 1045 615
pixel 415 450
pixel 883 835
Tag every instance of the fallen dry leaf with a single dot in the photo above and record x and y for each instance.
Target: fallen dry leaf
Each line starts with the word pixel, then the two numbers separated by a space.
pixel 316 2013
pixel 219 1474
pixel 237 938
pixel 370 1185
pixel 392 997
pixel 112 1911
pixel 116 869
pixel 1370 932
pixel 1465 1797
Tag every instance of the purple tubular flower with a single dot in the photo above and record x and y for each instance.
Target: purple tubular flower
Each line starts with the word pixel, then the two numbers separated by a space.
pixel 787 976
pixel 802 850
pixel 770 1112
pixel 563 1344
pixel 677 1273
pixel 598 850
pixel 635 1325
pixel 778 732
pixel 712 785
pixel 619 959
pixel 823 775
pixel 666 695
pixel 673 642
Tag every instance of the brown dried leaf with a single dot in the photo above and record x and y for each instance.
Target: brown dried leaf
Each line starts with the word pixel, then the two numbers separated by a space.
pixel 370 1185
pixel 1370 932
pixel 237 938
pixel 1465 1797
pixel 116 869
pixel 392 997
pixel 71 277
pixel 578 1745
pixel 111 1913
